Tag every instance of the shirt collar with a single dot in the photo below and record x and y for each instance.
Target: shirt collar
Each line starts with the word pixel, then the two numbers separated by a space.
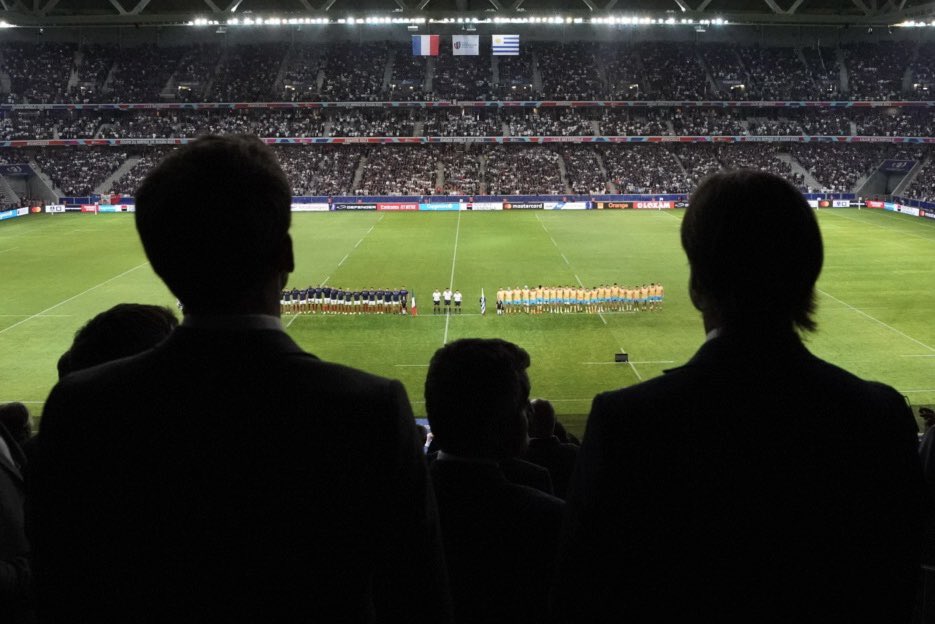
pixel 232 322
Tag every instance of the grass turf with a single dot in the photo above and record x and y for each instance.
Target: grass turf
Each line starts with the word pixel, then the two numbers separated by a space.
pixel 876 294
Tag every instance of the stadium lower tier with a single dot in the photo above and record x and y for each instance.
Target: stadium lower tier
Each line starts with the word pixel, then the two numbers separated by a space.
pixel 48 174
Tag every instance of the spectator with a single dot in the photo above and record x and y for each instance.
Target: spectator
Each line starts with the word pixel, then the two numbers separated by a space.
pixel 500 538
pixel 546 450
pixel 16 584
pixel 156 471
pixel 721 513
pixel 121 331
pixel 15 417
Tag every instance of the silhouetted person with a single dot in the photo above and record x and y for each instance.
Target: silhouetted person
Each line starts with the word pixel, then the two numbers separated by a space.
pixel 756 482
pixel 15 566
pixel 15 417
pixel 123 330
pixel 544 448
pixel 500 537
pixel 193 482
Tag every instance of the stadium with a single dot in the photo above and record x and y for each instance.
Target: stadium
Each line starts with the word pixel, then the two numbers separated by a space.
pixel 478 146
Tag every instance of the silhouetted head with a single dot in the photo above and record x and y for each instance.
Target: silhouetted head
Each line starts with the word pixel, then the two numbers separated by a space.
pixel 476 397
pixel 214 218
pixel 15 417
pixel 124 330
pixel 755 251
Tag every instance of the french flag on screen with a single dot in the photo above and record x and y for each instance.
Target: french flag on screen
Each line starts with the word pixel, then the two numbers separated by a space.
pixel 425 45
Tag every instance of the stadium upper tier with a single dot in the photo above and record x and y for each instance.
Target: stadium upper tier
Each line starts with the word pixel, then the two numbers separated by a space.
pixel 469 169
pixel 40 73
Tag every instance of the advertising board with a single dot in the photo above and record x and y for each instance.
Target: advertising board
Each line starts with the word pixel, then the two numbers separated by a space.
pixel 485 206
pixel 928 213
pixel 405 206
pixel 441 207
pixel 523 205
pixel 310 207
pixel 871 203
pixel 614 205
pixel 565 205
pixel 909 210
pixel 8 214
pixel 55 208
pixel 355 206
pixel 840 203
pixel 654 205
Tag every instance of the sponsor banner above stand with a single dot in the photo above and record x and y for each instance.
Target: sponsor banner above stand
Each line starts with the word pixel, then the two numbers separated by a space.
pixel 872 203
pixel 404 206
pixel 55 208
pixel 442 206
pixel 311 207
pixel 654 205
pixel 355 206
pixel 523 205
pixel 485 205
pixel 566 205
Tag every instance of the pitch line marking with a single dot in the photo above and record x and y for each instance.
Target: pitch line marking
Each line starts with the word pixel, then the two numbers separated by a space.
pixel 642 362
pixel 24 402
pixel 359 242
pixel 72 298
pixel 325 281
pixel 10 249
pixel 916 391
pixel 292 320
pixel 880 225
pixel 370 230
pixel 41 315
pixel 553 242
pixel 411 365
pixel 343 259
pixel 543 225
pixel 566 261
pixel 922 356
pixel 876 320
pixel 451 279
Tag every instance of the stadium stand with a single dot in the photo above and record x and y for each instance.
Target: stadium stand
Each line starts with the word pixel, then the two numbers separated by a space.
pixel 461 169
pixel 399 170
pixel 462 77
pixel 583 170
pixel 320 169
pixel 38 72
pixel 515 170
pixel 247 73
pixel 354 72
pixel 875 70
pixel 546 122
pixel 77 171
pixel 300 75
pixel 408 82
pixel 569 70
pixel 462 122
pixel 643 169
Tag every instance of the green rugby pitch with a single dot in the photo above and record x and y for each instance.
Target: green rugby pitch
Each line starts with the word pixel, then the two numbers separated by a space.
pixel 876 294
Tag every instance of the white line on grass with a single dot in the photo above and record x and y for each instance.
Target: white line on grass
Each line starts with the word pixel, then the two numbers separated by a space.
pixel 451 279
pixel 6 250
pixel 73 297
pixel 635 372
pixel 876 320
pixel 916 391
pixel 26 402
pixel 642 362
pixel 40 315
pixel 566 260
pixel 292 320
pixel 325 281
pixel 360 241
pixel 343 259
pixel 880 225
pixel 543 225
pixel 411 365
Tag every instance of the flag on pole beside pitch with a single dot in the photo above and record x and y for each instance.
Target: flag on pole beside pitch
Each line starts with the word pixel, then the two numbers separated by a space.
pixel 506 45
pixel 425 45
pixel 412 306
pixel 483 303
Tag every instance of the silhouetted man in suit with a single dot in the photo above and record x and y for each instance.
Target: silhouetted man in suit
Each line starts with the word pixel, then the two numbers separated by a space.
pixel 756 482
pixel 544 448
pixel 201 480
pixel 15 567
pixel 501 538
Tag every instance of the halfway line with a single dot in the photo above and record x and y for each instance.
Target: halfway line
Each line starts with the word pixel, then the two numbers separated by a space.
pixel 83 292
pixel 451 279
pixel 876 320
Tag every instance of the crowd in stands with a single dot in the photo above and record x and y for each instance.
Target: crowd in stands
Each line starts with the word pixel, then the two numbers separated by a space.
pixel 569 70
pixel 634 123
pixel 27 125
pixel 923 185
pixel 402 170
pixel 462 122
pixel 195 72
pixel 583 170
pixel 875 70
pixel 626 77
pixel 329 170
pixel 92 72
pixel 822 65
pixel 128 183
pixel 698 122
pixel 79 126
pixel 515 170
pixel 461 168
pixel 149 125
pixel 354 71
pixel 905 122
pixel 300 78
pixel 247 72
pixel 408 81
pixel 462 77
pixel 776 74
pixel 78 171
pixel 730 77
pixel 639 168
pixel 321 169
pixel 38 73
pixel 373 122
pixel 141 73
pixel 546 122
pixel 516 78
pixel 674 72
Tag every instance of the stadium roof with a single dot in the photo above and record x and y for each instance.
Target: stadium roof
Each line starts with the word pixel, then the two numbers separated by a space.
pixel 65 13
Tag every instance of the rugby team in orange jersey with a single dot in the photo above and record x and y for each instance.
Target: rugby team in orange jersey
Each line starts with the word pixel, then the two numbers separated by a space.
pixel 572 299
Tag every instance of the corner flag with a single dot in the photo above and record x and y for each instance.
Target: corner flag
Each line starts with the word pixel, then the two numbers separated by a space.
pixel 483 303
pixel 412 306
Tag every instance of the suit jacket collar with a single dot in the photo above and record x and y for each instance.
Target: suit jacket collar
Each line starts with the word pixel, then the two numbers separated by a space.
pixel 748 348
pixel 270 341
pixel 18 458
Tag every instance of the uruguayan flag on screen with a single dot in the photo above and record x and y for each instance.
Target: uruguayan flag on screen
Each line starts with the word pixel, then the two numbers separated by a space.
pixel 506 45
